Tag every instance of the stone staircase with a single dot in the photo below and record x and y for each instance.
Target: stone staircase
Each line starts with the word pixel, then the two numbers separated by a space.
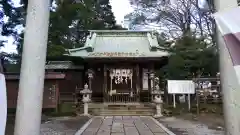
pixel 128 109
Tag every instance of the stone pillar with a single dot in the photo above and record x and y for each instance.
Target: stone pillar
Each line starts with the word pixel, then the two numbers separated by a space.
pixel 158 110
pixel 3 99
pixel 85 109
pixel 30 95
pixel 229 84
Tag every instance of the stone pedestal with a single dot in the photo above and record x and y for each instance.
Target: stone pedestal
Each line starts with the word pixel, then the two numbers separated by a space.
pixel 86 99
pixel 158 110
pixel 85 109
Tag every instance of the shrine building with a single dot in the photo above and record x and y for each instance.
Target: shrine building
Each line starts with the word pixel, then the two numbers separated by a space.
pixel 117 64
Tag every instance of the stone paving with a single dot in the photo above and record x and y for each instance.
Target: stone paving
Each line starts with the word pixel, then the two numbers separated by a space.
pixel 123 125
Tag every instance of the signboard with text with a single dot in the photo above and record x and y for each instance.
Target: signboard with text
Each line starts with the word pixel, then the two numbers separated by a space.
pixel 181 87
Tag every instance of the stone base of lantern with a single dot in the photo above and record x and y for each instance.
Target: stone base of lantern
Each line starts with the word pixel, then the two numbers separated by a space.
pixel 158 111
pixel 85 108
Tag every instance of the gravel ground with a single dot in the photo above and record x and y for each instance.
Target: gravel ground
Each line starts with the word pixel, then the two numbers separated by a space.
pixel 187 127
pixel 179 125
pixel 55 126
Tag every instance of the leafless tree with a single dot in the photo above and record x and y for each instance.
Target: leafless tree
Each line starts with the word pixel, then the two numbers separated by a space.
pixel 175 17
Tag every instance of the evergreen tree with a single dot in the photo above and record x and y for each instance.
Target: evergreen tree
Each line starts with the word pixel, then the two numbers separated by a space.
pixel 70 21
pixel 15 18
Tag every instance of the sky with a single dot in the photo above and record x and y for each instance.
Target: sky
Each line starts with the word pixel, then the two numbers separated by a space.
pixel 120 8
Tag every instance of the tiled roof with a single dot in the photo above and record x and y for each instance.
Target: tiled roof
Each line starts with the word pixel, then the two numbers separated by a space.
pixel 119 43
pixel 53 75
pixel 61 65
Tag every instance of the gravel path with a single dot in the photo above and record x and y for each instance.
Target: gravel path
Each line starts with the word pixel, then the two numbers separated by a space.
pixel 187 127
pixel 57 126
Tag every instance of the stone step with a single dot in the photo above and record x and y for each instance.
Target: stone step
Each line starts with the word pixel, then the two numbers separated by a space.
pixel 135 112
pixel 120 109
pixel 125 114
pixel 124 110
pixel 113 105
pixel 129 109
pixel 117 108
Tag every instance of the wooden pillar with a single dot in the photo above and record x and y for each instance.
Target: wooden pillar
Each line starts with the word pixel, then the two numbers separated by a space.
pixel 131 82
pixel 57 96
pixel 104 82
pixel 137 82
pixel 152 81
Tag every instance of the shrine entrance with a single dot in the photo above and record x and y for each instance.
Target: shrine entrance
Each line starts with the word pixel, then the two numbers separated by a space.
pixel 121 85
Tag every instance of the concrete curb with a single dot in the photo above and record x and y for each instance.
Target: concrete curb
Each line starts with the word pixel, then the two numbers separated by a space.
pixel 82 129
pixel 169 132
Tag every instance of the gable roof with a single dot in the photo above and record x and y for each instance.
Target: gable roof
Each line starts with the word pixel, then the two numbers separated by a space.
pixel 119 43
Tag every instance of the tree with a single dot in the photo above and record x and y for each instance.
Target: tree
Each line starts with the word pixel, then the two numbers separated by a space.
pixel 70 21
pixel 15 15
pixel 190 31
pixel 191 57
pixel 175 19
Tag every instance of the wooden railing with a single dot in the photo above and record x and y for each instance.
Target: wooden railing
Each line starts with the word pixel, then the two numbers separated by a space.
pixel 121 97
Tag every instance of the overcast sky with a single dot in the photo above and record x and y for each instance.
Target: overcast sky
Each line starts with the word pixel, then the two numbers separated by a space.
pixel 119 7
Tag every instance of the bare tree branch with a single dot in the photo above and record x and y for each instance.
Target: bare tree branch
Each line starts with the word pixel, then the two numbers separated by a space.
pixel 182 16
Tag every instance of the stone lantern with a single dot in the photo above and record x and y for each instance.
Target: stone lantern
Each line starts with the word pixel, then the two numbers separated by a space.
pixel 157 99
pixel 156 95
pixel 86 98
